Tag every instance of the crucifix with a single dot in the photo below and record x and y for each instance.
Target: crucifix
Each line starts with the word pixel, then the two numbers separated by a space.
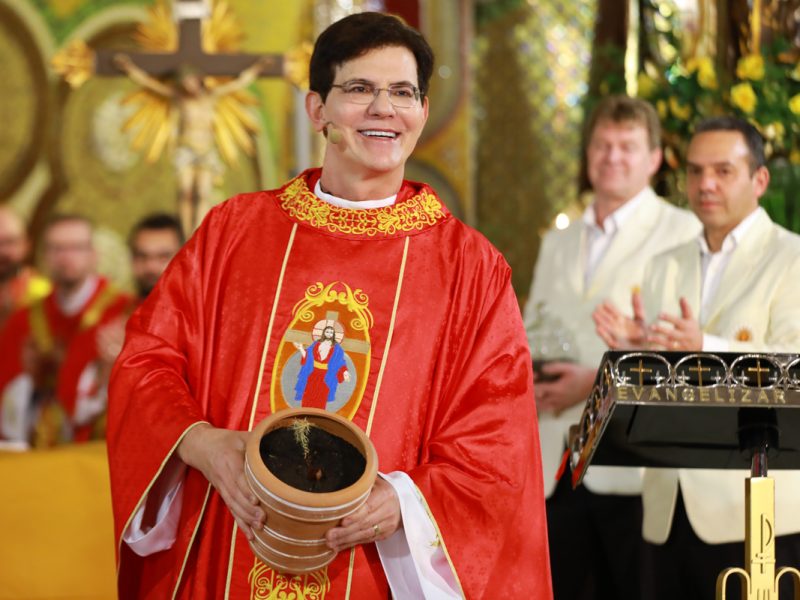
pixel 641 371
pixel 699 369
pixel 176 80
pixel 758 370
pixel 189 15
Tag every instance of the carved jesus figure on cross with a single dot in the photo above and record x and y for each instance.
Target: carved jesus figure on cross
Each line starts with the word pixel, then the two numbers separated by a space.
pixel 196 159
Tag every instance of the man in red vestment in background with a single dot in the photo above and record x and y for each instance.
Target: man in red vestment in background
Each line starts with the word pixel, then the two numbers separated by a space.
pixel 153 242
pixel 439 372
pixel 48 380
pixel 19 285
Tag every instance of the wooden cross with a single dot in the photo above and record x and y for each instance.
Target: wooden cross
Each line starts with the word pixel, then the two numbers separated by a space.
pixel 190 14
pixel 699 370
pixel 305 338
pixel 641 371
pixel 758 370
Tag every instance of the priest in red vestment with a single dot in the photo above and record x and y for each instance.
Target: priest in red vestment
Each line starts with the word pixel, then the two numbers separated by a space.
pixel 438 369
pixel 19 284
pixel 50 392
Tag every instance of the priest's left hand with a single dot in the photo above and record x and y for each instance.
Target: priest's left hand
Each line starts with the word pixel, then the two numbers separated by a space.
pixel 684 335
pixel 572 386
pixel 377 519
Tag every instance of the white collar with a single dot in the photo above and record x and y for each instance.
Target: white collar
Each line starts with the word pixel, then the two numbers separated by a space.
pixel 734 237
pixel 354 204
pixel 619 216
pixel 74 303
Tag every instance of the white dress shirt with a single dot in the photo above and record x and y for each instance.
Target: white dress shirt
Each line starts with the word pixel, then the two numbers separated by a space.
pixel 599 237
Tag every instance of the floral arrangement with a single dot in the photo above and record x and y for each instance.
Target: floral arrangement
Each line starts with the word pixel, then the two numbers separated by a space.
pixel 765 90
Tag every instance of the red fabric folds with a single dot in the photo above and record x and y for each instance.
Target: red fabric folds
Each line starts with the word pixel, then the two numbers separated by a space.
pixel 454 407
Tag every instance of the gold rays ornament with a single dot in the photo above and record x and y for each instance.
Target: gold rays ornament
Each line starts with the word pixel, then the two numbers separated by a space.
pixel 155 122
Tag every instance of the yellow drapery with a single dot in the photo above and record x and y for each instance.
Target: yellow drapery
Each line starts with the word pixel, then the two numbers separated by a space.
pixel 56 527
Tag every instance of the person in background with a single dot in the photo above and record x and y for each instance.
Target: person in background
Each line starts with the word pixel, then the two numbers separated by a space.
pixel 47 377
pixel 594 531
pixel 19 284
pixel 733 288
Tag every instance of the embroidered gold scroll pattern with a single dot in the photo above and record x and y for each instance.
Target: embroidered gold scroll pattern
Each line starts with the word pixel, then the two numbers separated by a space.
pixel 419 211
pixel 266 584
pixel 356 301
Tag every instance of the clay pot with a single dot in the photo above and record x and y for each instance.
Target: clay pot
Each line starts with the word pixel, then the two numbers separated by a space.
pixel 293 538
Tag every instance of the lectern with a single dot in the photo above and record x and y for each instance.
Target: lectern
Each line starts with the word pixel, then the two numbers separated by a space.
pixel 701 410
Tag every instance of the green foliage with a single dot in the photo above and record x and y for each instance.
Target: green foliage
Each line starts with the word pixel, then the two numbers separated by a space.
pixel 764 89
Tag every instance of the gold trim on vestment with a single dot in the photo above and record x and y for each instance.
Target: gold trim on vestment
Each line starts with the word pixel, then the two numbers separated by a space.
pixel 289 245
pixel 414 214
pixel 191 541
pixel 319 365
pixel 440 538
pixel 388 338
pixel 152 481
pixel 40 328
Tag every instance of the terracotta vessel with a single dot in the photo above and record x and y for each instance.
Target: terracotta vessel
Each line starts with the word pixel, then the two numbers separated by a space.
pixel 293 539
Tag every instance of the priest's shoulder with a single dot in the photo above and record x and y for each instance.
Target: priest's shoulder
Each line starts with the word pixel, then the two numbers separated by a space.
pixel 470 245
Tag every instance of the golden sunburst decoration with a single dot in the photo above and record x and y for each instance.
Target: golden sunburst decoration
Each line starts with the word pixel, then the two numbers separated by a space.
pixel 75 63
pixel 295 64
pixel 155 120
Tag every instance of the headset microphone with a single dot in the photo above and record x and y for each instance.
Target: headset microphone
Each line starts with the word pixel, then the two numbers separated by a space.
pixel 334 135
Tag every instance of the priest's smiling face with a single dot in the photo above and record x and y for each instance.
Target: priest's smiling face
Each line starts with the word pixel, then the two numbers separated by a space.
pixel 373 140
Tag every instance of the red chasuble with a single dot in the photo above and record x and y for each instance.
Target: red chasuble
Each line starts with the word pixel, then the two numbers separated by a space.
pixel 428 328
pixel 65 345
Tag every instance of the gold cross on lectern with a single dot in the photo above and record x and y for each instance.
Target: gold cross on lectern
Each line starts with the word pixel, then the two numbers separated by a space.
pixel 641 371
pixel 758 370
pixel 699 370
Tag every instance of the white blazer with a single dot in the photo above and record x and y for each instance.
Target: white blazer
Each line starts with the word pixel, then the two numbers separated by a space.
pixel 558 282
pixel 756 308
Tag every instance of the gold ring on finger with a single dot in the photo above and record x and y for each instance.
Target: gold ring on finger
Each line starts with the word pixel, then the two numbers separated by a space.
pixel 376 530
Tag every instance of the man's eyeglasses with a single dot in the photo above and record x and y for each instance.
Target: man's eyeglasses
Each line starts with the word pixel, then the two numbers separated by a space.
pixel 359 92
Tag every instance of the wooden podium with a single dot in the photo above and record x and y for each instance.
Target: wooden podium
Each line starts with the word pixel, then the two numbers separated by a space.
pixel 701 410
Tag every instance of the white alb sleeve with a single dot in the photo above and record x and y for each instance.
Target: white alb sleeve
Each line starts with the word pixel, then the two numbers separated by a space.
pixel 169 488
pixel 413 558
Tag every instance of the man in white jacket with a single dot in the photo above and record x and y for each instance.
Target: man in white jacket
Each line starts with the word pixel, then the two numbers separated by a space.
pixel 734 288
pixel 594 532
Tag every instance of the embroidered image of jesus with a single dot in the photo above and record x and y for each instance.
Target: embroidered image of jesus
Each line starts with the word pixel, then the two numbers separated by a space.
pixel 322 366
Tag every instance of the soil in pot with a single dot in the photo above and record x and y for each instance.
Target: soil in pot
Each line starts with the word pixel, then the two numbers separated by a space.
pixel 309 458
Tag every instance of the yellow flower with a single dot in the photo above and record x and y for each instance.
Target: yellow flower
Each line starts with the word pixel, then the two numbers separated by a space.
pixel 707 79
pixel 661 107
pixel 645 85
pixel 794 104
pixel 704 67
pixel 750 67
pixel 744 98
pixel 681 111
pixel 794 157
pixel 775 130
pixel 696 63
pixel 795 74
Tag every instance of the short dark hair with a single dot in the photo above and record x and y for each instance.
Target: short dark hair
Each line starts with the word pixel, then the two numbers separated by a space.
pixel 157 221
pixel 624 109
pixel 356 35
pixel 753 139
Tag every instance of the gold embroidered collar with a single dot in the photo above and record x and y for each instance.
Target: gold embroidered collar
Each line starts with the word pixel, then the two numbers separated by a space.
pixel 420 211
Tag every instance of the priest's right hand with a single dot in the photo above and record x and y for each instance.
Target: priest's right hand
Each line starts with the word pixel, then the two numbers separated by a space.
pixel 619 331
pixel 219 455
